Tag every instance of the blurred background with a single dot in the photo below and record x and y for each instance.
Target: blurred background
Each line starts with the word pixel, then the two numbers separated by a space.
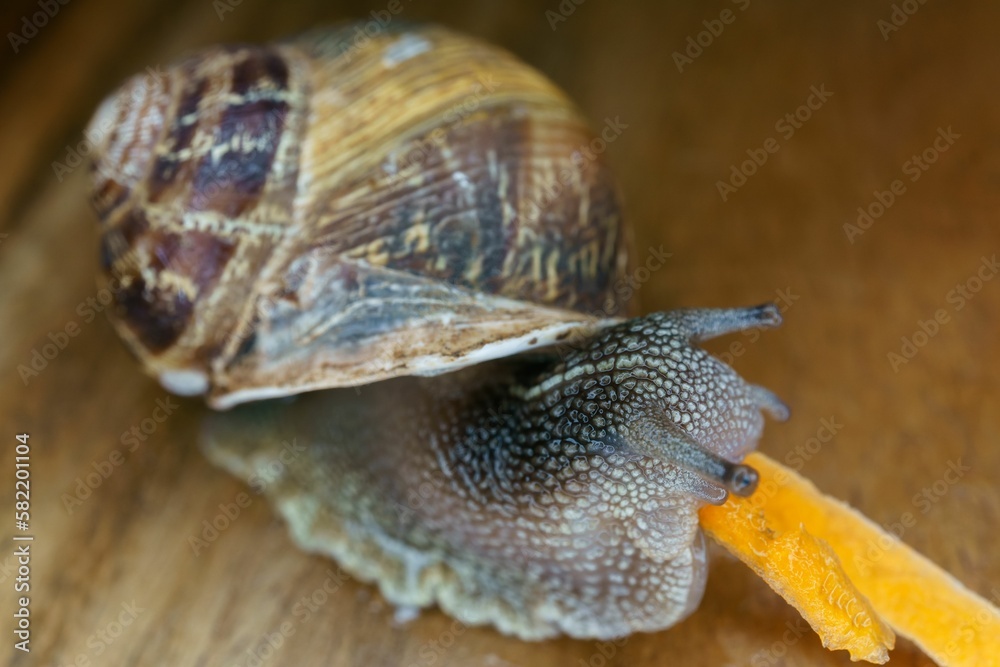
pixel 841 159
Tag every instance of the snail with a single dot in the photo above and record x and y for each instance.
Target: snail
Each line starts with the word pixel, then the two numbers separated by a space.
pixel 401 257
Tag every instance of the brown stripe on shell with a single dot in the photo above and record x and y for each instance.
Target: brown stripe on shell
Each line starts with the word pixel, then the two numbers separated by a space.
pixel 155 315
pixel 598 260
pixel 111 250
pixel 261 68
pixel 247 131
pixel 231 180
pixel 168 164
pixel 107 196
pixel 238 102
pixel 194 255
pixel 119 240
pixel 182 268
pixel 505 135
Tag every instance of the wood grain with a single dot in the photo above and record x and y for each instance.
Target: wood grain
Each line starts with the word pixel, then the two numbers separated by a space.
pixel 778 236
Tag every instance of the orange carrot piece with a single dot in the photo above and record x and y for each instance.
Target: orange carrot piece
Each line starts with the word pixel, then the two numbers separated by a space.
pixel 804 571
pixel 922 602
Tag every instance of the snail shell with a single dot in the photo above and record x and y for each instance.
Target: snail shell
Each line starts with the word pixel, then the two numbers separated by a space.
pixel 312 213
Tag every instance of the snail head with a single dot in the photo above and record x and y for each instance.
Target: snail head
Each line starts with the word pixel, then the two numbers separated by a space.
pixel 645 388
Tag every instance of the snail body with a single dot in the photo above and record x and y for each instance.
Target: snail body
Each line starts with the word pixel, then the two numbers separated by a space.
pixel 546 497
pixel 309 215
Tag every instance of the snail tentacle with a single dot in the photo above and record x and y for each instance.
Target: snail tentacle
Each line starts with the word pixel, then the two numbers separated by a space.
pixel 706 323
pixel 724 476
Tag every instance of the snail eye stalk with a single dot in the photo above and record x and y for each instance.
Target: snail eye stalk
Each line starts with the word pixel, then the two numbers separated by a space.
pixel 727 477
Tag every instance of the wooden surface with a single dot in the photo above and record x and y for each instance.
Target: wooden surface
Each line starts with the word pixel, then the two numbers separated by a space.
pixel 898 431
